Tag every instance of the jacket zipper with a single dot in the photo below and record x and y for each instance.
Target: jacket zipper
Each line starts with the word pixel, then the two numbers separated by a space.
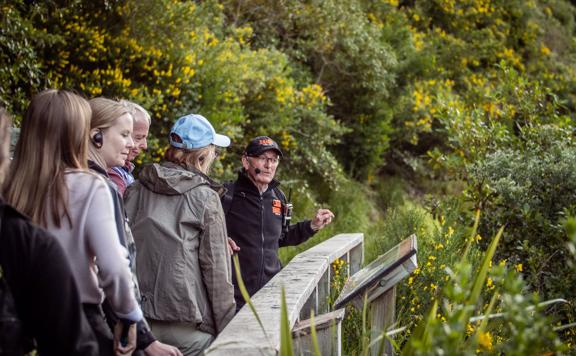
pixel 261 275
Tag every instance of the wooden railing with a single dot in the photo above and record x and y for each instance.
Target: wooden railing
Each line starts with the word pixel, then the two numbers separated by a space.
pixel 306 281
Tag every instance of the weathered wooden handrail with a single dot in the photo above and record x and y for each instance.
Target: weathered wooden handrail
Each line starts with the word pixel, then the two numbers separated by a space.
pixel 306 280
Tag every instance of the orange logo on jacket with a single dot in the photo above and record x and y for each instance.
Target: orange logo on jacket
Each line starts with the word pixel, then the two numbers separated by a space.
pixel 276 207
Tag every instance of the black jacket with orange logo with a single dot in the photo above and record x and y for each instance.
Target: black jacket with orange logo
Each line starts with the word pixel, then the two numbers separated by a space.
pixel 254 222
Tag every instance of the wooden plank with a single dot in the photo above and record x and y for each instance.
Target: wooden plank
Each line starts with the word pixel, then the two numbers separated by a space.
pixel 243 335
pixel 309 306
pixel 335 247
pixel 321 322
pixel 328 331
pixel 383 316
pixel 324 292
pixel 356 259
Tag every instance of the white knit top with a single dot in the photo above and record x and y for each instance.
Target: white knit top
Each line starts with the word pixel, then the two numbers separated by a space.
pixel 98 260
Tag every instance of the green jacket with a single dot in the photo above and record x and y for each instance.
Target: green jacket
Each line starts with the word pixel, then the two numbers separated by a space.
pixel 183 265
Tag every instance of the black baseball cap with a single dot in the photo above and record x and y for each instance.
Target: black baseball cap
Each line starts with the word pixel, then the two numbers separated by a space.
pixel 260 145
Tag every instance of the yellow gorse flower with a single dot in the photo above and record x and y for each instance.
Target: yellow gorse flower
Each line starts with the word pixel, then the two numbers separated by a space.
pixel 485 340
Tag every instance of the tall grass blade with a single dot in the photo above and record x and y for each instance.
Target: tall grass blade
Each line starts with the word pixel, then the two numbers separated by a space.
pixel 245 294
pixel 484 322
pixel 530 308
pixel 472 235
pixel 314 336
pixel 285 332
pixel 483 272
pixel 421 334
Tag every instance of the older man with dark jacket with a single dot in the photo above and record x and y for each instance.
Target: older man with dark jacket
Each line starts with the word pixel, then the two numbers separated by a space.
pixel 257 217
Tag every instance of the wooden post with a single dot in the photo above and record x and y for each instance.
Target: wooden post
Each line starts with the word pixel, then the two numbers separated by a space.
pixel 310 305
pixel 356 259
pixel 383 316
pixel 324 292
pixel 328 331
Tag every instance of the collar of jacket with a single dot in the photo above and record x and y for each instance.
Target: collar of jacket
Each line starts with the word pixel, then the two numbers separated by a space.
pixel 244 182
pixel 7 209
pixel 96 168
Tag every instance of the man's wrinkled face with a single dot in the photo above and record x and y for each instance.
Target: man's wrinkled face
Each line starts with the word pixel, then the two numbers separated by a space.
pixel 139 135
pixel 262 168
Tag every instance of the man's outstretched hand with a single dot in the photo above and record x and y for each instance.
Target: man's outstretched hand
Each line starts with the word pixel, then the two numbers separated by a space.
pixel 322 218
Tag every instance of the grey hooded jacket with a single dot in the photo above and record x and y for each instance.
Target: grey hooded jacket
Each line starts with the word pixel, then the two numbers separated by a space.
pixel 183 264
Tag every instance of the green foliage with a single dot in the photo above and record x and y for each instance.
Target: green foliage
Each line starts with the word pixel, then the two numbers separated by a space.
pixel 447 92
pixel 530 190
pixel 20 65
pixel 449 328
pixel 173 58
pixel 245 294
pixel 341 49
pixel 353 207
pixel 492 68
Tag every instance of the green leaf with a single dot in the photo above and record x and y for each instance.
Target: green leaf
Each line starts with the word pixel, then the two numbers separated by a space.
pixel 285 332
pixel 314 336
pixel 245 293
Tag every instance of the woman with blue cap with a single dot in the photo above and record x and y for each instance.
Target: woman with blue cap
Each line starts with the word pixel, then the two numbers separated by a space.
pixel 178 224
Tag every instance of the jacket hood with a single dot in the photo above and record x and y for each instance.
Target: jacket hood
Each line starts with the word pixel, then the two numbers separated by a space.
pixel 169 178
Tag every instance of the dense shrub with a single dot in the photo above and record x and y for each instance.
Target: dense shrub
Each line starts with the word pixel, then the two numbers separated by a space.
pixel 351 54
pixel 530 190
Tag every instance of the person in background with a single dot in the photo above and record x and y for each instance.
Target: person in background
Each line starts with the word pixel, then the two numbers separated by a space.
pixel 183 262
pixel 110 146
pixel 50 183
pixel 122 175
pixel 258 217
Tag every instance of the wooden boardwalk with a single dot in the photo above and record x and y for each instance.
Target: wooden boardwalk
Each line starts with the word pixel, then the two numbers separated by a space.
pixel 306 280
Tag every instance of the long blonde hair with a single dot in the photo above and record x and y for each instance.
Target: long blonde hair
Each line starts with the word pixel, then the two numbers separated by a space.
pixel 104 114
pixel 199 158
pixel 53 138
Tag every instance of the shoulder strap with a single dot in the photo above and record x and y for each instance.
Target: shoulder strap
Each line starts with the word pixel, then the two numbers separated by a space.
pixel 280 195
pixel 228 197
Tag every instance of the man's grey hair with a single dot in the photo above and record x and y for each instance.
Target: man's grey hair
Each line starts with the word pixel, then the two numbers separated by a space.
pixel 133 107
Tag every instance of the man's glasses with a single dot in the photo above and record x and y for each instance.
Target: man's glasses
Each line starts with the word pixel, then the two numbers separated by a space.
pixel 270 160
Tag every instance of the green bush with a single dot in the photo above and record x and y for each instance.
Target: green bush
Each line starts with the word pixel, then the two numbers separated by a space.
pixel 449 327
pixel 530 190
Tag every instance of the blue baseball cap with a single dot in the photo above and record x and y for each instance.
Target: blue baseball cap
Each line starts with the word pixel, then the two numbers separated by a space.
pixel 195 131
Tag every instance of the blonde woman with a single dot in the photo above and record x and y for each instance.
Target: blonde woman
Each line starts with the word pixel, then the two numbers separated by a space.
pixel 49 181
pixel 122 175
pixel 178 224
pixel 111 142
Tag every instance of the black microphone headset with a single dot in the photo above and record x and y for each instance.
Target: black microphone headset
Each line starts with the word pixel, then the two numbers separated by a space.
pixel 256 170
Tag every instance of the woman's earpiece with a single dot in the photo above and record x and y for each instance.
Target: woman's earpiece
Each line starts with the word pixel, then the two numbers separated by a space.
pixel 98 139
